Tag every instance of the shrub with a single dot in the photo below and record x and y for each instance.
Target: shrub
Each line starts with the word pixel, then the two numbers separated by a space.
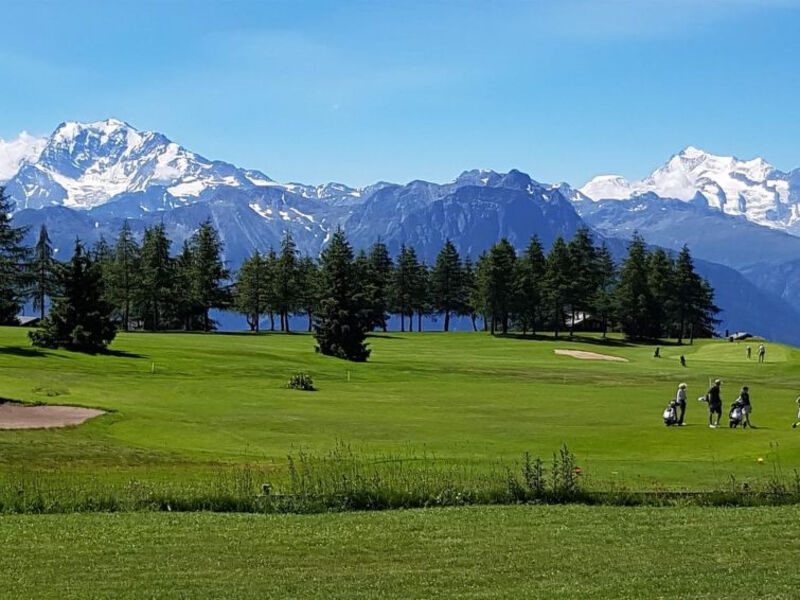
pixel 301 381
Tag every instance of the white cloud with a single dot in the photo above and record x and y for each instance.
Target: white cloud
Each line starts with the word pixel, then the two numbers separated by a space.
pixel 25 147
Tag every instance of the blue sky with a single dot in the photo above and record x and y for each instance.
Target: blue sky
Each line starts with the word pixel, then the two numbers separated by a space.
pixel 362 91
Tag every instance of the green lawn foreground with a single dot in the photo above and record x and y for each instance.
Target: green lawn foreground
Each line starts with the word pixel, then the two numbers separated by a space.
pixel 189 403
pixel 475 552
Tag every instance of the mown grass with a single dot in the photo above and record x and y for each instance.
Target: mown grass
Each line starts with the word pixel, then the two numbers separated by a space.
pixel 554 552
pixel 187 405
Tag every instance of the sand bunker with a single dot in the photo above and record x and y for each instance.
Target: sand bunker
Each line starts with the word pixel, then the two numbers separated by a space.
pixel 21 416
pixel 590 355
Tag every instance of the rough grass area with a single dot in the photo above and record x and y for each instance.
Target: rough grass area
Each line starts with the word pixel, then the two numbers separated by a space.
pixel 478 552
pixel 187 405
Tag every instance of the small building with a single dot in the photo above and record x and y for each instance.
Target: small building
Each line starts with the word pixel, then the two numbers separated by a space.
pixel 28 321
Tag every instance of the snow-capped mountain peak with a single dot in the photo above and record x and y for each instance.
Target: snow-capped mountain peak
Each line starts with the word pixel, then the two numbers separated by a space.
pixel 751 188
pixel 14 153
pixel 84 165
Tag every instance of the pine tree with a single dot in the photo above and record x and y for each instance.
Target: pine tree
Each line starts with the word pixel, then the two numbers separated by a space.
pixel 583 273
pixel 186 307
pixel 603 301
pixel 530 285
pixel 251 290
pixel 80 318
pixel 660 278
pixel 14 271
pixel 379 277
pixel 500 289
pixel 634 301
pixel 405 285
pixel 558 282
pixel 341 323
pixel 271 301
pixel 471 292
pixel 285 282
pixel 421 294
pixel 209 273
pixel 308 288
pixel 125 274
pixel 43 272
pixel 479 293
pixel 694 300
pixel 448 292
pixel 102 255
pixel 155 286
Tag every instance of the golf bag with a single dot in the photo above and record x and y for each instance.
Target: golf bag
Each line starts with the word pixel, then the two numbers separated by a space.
pixel 670 414
pixel 735 415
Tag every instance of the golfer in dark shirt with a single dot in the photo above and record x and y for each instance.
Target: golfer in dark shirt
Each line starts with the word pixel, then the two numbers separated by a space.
pixel 714 403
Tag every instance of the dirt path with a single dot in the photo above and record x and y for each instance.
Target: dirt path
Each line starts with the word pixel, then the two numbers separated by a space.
pixel 590 355
pixel 20 416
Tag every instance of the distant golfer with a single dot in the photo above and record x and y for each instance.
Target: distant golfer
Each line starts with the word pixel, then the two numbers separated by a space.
pixel 714 396
pixel 794 425
pixel 657 352
pixel 680 398
pixel 744 402
pixel 762 351
pixel 683 360
pixel 749 352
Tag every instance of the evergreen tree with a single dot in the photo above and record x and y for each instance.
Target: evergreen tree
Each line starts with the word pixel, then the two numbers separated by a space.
pixel 14 272
pixel 308 288
pixel 603 301
pixel 285 281
pixel 155 285
pixel 421 294
pixel 530 285
pixel 694 300
pixel 379 278
pixel 583 274
pixel 80 319
pixel 251 290
pixel 405 285
pixel 271 301
pixel 125 274
pixel 634 301
pixel 448 292
pixel 500 288
pixel 660 278
pixel 102 255
pixel 342 321
pixel 471 292
pixel 43 272
pixel 209 273
pixel 558 283
pixel 186 309
pixel 479 293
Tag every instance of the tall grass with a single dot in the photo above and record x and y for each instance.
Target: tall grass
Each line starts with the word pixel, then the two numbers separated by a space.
pixel 344 480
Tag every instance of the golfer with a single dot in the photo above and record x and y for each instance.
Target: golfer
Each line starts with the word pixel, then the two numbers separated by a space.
pixel 744 400
pixel 714 396
pixel 680 398
pixel 761 352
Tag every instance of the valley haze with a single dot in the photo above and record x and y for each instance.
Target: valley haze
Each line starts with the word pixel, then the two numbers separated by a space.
pixel 740 218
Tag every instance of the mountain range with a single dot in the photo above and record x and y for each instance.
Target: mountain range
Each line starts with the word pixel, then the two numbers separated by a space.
pixel 741 219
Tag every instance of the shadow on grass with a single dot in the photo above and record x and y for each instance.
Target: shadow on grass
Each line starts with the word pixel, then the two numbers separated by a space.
pixel 27 352
pixel 120 354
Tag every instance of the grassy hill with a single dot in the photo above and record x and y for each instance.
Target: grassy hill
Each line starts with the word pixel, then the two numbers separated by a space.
pixel 185 403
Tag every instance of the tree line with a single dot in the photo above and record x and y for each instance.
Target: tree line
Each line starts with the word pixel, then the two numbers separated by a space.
pixel 145 285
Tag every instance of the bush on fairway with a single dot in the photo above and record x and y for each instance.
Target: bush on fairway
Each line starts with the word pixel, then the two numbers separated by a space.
pixel 301 381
